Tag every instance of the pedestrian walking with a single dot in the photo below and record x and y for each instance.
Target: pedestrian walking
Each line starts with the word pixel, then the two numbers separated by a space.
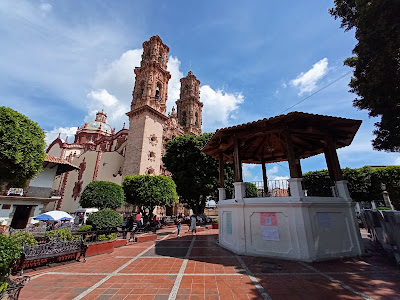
pixel 193 221
pixel 178 226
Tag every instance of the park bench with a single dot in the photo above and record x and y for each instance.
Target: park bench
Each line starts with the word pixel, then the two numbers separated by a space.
pixel 54 251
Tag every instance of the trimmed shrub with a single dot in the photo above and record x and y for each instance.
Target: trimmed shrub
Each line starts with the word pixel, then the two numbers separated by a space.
pixel 26 238
pixel 112 236
pixel 102 194
pixel 105 219
pixel 85 228
pixel 10 252
pixel 251 190
pixel 102 237
pixel 63 234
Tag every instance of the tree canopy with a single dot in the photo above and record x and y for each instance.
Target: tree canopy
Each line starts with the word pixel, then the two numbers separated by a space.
pixel 196 174
pixel 147 191
pixel 102 194
pixel 364 183
pixel 376 63
pixel 21 147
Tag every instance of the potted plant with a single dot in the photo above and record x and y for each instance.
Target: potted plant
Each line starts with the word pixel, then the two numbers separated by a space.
pixel 10 252
pixel 215 224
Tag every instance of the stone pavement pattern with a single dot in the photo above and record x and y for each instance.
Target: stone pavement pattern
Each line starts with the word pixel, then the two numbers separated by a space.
pixel 197 268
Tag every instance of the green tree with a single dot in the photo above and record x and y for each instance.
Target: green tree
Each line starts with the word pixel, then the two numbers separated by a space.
pixel 364 183
pixel 251 190
pixel 147 191
pixel 196 174
pixel 21 147
pixel 102 194
pixel 376 63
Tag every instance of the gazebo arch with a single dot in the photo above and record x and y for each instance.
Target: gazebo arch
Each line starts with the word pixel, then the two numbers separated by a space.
pixel 291 138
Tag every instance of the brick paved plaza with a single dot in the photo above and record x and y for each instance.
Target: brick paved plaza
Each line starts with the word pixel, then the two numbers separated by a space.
pixel 197 268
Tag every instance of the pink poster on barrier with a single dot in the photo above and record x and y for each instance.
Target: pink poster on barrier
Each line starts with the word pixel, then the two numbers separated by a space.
pixel 269 226
pixel 268 219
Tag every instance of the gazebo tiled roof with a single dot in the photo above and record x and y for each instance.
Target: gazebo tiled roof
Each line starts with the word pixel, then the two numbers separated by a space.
pixel 264 140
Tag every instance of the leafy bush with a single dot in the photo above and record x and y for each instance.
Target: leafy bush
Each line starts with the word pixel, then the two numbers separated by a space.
pixel 10 252
pixel 63 234
pixel 251 190
pixel 112 236
pixel 24 238
pixel 102 194
pixel 102 237
pixel 105 219
pixel 85 228
pixel 215 221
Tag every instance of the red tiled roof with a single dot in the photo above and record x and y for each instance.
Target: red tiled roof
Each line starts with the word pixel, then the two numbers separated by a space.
pixel 56 160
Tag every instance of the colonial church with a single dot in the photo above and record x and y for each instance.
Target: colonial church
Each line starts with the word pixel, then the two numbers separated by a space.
pixel 104 154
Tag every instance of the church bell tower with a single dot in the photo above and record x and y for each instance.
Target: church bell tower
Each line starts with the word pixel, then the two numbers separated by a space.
pixel 148 108
pixel 189 106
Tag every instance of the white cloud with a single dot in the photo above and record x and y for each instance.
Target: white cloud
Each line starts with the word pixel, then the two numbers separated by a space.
pixel 219 107
pixel 246 172
pixel 103 96
pixel 397 161
pixel 174 83
pixel 63 131
pixel 46 7
pixel 307 82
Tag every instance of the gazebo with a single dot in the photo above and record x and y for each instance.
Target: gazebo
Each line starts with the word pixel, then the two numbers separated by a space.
pixel 294 226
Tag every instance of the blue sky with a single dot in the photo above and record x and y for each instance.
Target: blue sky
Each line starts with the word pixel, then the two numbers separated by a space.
pixel 63 60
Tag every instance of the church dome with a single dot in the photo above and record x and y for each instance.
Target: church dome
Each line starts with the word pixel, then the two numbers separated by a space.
pixel 93 130
pixel 95 125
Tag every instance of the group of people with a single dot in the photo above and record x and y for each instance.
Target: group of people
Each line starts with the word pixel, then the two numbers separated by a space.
pixel 192 224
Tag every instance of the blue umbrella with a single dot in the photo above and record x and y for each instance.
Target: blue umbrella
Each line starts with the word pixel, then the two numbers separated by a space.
pixel 55 215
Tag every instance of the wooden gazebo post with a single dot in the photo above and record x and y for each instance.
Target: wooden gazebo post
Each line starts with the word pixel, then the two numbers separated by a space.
pixel 221 189
pixel 296 176
pixel 340 188
pixel 265 178
pixel 240 188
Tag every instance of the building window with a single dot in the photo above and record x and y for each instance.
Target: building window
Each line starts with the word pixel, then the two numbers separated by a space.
pixel 152 156
pixel 153 139
pixel 150 171
pixel 184 118
pixel 6 206
pixel 157 96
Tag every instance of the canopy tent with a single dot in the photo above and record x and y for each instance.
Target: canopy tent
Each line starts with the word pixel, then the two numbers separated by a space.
pixel 55 215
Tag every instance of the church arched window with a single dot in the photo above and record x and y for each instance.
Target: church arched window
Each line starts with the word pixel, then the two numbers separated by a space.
pixel 184 118
pixel 196 119
pixel 157 96
pixel 141 90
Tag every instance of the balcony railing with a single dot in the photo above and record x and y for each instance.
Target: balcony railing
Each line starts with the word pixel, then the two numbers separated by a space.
pixel 276 188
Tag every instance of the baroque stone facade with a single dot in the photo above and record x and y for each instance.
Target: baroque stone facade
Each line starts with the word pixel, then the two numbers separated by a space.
pixel 104 154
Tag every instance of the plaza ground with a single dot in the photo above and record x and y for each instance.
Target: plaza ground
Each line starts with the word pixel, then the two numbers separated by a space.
pixel 195 267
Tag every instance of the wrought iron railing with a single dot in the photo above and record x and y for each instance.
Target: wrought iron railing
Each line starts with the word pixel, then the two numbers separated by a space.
pixel 276 188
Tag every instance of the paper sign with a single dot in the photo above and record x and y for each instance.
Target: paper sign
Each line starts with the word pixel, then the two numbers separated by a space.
pixel 228 222
pixel 270 233
pixel 324 219
pixel 268 219
pixel 269 226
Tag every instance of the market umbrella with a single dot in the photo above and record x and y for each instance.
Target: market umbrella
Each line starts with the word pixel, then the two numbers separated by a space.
pixel 55 215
